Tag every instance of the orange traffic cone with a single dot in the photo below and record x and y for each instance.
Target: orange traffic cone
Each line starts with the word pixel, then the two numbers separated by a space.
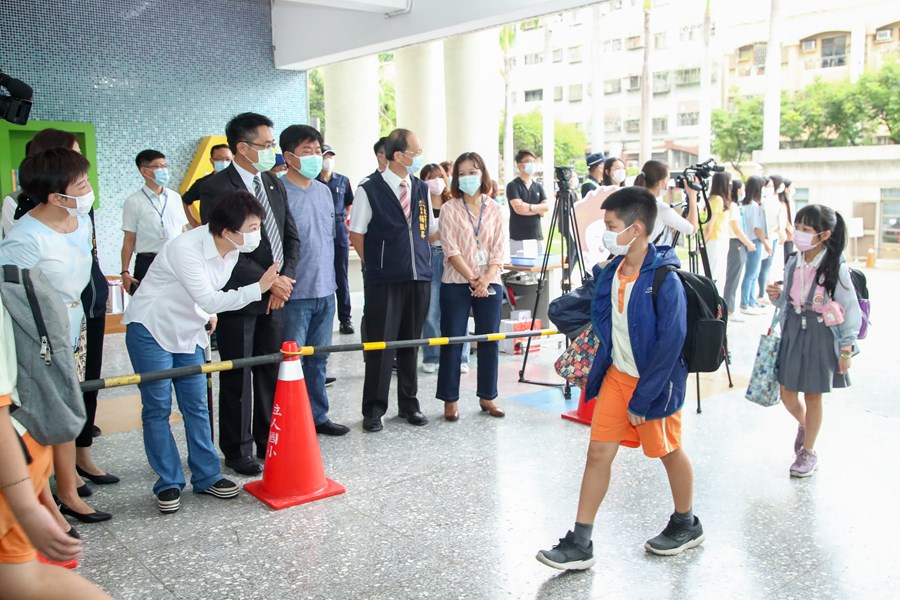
pixel 293 473
pixel 69 564
pixel 585 411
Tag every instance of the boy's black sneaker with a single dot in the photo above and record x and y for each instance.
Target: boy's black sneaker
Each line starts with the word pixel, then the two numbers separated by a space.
pixel 568 555
pixel 676 538
pixel 169 500
pixel 223 488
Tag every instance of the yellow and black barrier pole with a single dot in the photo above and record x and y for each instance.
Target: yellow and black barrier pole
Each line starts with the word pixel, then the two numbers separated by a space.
pixel 265 359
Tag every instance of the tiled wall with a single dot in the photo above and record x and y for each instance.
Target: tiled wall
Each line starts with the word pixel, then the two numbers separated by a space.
pixel 148 74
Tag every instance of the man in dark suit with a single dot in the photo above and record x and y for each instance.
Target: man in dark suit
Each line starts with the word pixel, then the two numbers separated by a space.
pixel 245 407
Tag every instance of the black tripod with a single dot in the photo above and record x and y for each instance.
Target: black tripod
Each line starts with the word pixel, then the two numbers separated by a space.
pixel 697 255
pixel 563 221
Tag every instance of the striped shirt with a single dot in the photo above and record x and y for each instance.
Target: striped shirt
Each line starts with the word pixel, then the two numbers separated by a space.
pixel 458 226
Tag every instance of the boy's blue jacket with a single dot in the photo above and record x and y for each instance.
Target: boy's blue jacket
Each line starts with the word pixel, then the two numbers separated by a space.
pixel 656 339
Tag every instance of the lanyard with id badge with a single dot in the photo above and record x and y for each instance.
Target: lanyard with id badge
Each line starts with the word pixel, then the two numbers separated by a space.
pixel 481 258
pixel 164 201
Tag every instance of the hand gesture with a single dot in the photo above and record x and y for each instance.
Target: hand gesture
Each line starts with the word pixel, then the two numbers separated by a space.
pixel 635 420
pixel 128 282
pixel 47 536
pixel 268 278
pixel 774 291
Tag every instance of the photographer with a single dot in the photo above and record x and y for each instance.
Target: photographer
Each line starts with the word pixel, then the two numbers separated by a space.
pixel 654 176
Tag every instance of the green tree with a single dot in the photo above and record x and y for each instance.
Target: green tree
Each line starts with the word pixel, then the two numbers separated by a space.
pixel 316 91
pixel 826 113
pixel 879 93
pixel 569 141
pixel 738 132
pixel 387 104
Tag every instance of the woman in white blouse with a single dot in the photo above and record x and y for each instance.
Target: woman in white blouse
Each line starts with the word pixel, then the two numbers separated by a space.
pixel 654 176
pixel 55 237
pixel 474 240
pixel 166 321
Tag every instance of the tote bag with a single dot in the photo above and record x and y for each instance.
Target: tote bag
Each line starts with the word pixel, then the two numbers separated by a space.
pixel 764 388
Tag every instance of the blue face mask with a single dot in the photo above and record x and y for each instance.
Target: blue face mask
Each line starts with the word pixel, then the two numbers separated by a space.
pixel 311 165
pixel 280 174
pixel 417 163
pixel 161 176
pixel 470 184
pixel 220 165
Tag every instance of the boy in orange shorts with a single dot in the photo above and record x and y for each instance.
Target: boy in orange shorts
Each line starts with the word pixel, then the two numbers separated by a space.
pixel 25 523
pixel 638 376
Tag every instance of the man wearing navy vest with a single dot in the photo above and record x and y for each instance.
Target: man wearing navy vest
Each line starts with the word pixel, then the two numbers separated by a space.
pixel 389 228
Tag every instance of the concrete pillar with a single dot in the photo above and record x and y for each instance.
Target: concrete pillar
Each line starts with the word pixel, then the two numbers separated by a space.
pixel 705 118
pixel 351 114
pixel 474 96
pixel 421 105
pixel 548 108
pixel 772 99
pixel 598 119
pixel 857 51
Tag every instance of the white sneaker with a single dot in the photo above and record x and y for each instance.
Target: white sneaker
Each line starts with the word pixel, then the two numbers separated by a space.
pixel 429 367
pixel 463 367
pixel 752 311
pixel 736 317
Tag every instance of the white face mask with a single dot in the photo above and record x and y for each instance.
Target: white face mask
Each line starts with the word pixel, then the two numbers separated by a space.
pixel 251 241
pixel 328 164
pixel 611 242
pixel 618 176
pixel 83 204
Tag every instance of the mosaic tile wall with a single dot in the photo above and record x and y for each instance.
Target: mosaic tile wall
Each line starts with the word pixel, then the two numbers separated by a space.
pixel 148 74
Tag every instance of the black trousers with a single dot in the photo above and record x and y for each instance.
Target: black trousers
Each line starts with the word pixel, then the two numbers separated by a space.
pixel 341 262
pixel 95 329
pixel 394 311
pixel 142 264
pixel 246 395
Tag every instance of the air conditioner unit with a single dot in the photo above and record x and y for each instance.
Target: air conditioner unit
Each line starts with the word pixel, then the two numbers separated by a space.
pixel 884 35
pixel 809 46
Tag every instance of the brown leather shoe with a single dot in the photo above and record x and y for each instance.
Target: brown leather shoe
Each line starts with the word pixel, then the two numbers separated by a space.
pixel 492 409
pixel 451 411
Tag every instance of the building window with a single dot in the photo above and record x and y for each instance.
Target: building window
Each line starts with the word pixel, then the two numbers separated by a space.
pixel 834 51
pixel 534 95
pixel 661 125
pixel 808 45
pixel 759 57
pixel 612 125
pixel 612 86
pixel 634 83
pixel 534 58
pixel 690 32
pixel 616 45
pixel 661 82
pixel 801 198
pixel 745 53
pixel 659 40
pixel 686 119
pixel 687 76
pixel 557 55
pixel 890 215
pixel 884 35
pixel 574 54
pixel 633 42
pixel 531 24
pixel 576 93
pixel 557 93
pixel 632 125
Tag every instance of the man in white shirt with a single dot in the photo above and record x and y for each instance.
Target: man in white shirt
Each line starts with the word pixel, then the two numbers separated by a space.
pixel 150 217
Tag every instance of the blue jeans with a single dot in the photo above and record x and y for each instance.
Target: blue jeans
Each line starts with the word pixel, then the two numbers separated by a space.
pixel 456 302
pixel 751 274
pixel 156 400
pixel 431 354
pixel 309 322
pixel 764 269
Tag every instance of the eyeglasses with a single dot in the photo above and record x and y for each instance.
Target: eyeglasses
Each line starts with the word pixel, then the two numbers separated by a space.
pixel 413 154
pixel 267 145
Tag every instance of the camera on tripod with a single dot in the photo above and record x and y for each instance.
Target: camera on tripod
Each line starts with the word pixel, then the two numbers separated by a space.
pixel 701 172
pixel 565 176
pixel 15 107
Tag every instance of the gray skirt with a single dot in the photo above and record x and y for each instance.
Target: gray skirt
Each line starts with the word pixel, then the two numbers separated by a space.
pixel 806 360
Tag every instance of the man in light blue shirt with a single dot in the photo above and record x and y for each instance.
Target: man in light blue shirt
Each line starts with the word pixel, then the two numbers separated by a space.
pixel 309 314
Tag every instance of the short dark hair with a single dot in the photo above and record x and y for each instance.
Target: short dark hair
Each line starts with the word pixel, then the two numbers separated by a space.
pixel 295 135
pixel 486 184
pixel 396 141
pixel 231 209
pixel 632 204
pixel 244 126
pixel 50 138
pixel 522 154
pixel 379 145
pixel 218 147
pixel 51 172
pixel 145 157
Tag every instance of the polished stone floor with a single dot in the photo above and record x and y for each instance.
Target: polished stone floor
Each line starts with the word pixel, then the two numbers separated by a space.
pixel 458 510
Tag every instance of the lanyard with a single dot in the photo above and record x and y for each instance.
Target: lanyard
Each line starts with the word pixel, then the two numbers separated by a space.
pixel 164 201
pixel 476 230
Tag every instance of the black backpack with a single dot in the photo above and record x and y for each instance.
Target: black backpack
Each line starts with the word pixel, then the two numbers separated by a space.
pixel 862 296
pixel 704 344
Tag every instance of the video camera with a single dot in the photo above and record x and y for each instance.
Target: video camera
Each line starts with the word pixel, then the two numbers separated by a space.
pixel 15 107
pixel 701 171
